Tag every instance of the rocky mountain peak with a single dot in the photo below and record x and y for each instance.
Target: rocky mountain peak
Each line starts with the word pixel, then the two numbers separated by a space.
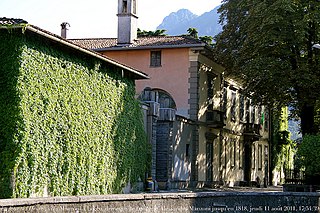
pixel 177 23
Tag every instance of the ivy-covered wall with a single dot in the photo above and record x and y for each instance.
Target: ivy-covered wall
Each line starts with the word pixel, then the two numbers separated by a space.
pixel 283 149
pixel 69 123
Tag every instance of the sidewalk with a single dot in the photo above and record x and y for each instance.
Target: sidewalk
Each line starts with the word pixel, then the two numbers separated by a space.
pixel 228 189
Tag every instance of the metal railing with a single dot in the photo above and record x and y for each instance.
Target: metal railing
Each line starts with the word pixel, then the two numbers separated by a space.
pixel 294 176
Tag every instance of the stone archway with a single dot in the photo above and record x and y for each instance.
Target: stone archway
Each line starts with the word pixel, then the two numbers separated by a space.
pixel 160 132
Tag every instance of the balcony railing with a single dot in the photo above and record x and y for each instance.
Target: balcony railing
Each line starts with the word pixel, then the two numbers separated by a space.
pixel 294 176
pixel 215 119
pixel 252 130
pixel 154 108
pixel 167 114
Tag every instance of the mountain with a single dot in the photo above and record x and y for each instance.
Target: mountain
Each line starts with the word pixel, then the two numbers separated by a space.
pixel 294 129
pixel 179 19
pixel 177 23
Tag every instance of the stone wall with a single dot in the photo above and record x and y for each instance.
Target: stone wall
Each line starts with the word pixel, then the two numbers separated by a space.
pixel 171 202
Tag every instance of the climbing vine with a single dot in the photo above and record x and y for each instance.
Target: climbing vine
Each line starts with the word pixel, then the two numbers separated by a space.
pixel 283 149
pixel 69 124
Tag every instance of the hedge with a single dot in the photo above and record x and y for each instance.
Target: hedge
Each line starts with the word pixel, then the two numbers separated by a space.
pixel 70 124
pixel 309 153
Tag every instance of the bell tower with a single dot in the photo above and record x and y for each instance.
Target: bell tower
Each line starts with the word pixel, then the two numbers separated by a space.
pixel 127 22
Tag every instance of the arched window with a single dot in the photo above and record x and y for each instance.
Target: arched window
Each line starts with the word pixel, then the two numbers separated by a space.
pixel 162 97
pixel 124 6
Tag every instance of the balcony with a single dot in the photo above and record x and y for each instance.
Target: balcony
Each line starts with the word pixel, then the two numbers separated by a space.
pixel 215 119
pixel 167 114
pixel 154 108
pixel 252 131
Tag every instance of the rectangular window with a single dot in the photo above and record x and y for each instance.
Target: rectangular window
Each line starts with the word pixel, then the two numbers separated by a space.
pixel 266 119
pixel 124 6
pixel 247 114
pixel 266 153
pixel 187 150
pixel 233 105
pixel 260 117
pixel 225 101
pixel 240 154
pixel 233 153
pixel 253 156
pixel 253 114
pixel 241 113
pixel 260 157
pixel 210 91
pixel 222 157
pixel 209 159
pixel 155 59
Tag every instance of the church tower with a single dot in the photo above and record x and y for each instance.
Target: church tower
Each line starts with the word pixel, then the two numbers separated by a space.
pixel 127 22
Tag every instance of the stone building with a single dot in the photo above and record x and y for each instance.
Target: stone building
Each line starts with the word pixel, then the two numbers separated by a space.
pixel 203 131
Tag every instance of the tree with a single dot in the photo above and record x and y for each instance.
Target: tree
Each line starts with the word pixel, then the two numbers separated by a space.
pixel 193 32
pixel 317 115
pixel 268 45
pixel 206 39
pixel 309 155
pixel 145 33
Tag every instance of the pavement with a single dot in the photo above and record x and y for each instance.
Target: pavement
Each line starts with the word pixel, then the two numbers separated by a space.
pixel 229 189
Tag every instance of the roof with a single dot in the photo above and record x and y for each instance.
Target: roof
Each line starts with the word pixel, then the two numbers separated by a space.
pixel 19 23
pixel 101 44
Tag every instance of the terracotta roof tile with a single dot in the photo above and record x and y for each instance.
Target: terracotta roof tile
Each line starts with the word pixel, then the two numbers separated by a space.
pixel 10 21
pixel 142 42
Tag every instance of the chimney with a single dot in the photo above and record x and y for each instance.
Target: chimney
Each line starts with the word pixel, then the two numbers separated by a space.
pixel 64 29
pixel 127 22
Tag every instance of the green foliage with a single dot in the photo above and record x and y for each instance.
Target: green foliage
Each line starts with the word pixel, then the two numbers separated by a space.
pixel 309 152
pixel 144 33
pixel 317 115
pixel 283 149
pixel 193 32
pixel 69 124
pixel 207 39
pixel 268 45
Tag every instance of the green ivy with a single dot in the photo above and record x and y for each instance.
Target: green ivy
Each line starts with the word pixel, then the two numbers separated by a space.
pixel 283 149
pixel 309 153
pixel 70 124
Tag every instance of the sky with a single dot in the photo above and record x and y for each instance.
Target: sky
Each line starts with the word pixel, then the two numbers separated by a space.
pixel 95 18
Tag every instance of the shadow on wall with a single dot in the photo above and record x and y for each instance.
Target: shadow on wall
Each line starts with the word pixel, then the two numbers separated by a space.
pixel 132 151
pixel 182 149
pixel 10 117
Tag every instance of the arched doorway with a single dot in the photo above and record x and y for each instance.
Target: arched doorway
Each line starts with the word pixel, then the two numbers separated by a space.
pixel 161 132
